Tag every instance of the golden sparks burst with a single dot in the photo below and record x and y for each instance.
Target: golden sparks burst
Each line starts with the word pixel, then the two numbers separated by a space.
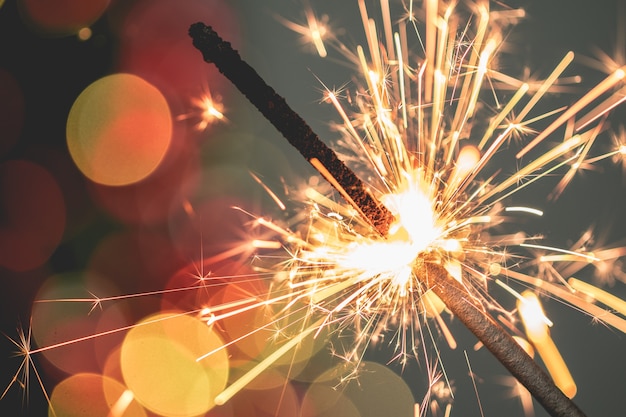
pixel 410 127
pixel 408 130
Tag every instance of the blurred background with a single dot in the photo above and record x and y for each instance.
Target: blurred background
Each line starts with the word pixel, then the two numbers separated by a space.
pixel 151 209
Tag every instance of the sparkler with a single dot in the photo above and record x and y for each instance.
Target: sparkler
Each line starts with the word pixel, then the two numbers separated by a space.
pixel 424 228
pixel 432 195
pixel 432 276
pixel 206 110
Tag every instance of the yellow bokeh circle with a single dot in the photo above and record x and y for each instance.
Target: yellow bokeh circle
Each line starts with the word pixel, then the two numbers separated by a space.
pixel 119 129
pixel 92 395
pixel 159 364
pixel 377 391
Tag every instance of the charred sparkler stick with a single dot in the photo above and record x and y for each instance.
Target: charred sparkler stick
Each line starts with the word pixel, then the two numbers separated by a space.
pixel 215 50
pixel 498 341
pixel 275 109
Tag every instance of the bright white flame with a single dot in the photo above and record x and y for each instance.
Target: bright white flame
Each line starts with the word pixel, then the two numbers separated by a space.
pixel 414 232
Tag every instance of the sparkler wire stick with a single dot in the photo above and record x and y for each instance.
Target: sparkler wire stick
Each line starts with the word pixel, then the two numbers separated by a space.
pixel 297 132
pixel 498 342
pixel 219 52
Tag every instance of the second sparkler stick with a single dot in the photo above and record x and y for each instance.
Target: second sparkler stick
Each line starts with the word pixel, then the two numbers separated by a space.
pixel 453 294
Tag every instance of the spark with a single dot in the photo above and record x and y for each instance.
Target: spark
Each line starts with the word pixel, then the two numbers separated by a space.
pixel 530 210
pixel 263 365
pixel 23 374
pixel 473 377
pixel 432 169
pixel 276 199
pixel 618 152
pixel 315 32
pixel 518 390
pixel 533 317
pixel 596 293
pixel 206 110
pixel 576 255
pixel 608 83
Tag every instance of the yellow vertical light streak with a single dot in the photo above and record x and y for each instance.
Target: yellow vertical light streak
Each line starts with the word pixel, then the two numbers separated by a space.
pixel 483 160
pixel 460 116
pixel 374 47
pixel 538 333
pixel 483 62
pixel 431 38
pixel 386 17
pixel 401 79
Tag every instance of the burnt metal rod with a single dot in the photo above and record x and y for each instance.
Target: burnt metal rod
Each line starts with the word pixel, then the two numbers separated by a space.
pixel 498 341
pixel 219 52
pixel 297 132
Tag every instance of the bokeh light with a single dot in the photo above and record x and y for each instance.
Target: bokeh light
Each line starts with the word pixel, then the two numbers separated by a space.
pixel 161 195
pixel 239 325
pixel 57 321
pixel 159 364
pixel 100 396
pixel 271 394
pixel 119 129
pixel 211 227
pixel 325 401
pixel 33 211
pixel 62 17
pixel 379 392
pixel 144 262
pixel 84 33
pixel 155 44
